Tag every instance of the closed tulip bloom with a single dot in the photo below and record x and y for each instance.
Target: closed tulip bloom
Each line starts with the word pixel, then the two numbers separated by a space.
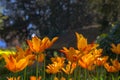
pixel 81 41
pixel 83 45
pixel 41 57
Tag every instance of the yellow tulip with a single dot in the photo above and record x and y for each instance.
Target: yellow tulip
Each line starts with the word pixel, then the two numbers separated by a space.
pixel 58 63
pixel 83 45
pixel 69 68
pixel 81 41
pixel 54 68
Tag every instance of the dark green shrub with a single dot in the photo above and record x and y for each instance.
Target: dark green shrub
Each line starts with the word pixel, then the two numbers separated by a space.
pixel 105 40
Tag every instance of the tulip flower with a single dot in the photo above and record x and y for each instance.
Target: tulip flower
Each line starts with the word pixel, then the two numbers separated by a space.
pixel 83 45
pixel 69 68
pixel 24 53
pixel 53 68
pixel 87 61
pixel 56 66
pixel 15 65
pixel 81 41
pixel 100 61
pixel 13 78
pixel 71 54
pixel 41 57
pixel 34 78
pixel 115 67
pixel 37 45
pixel 115 48
pixel 110 68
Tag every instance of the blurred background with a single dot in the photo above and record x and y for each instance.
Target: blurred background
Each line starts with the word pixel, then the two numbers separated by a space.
pixel 22 19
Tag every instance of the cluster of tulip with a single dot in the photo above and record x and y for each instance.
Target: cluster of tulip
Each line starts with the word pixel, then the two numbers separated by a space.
pixel 85 56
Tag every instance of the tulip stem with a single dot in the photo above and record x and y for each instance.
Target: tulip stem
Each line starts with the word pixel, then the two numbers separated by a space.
pixel 37 68
pixel 44 68
pixel 75 74
pixel 85 74
pixel 25 73
pixel 79 75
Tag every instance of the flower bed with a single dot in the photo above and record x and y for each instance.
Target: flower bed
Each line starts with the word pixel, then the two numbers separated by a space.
pixel 86 62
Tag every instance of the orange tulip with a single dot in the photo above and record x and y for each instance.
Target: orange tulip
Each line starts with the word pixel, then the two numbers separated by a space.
pixel 58 59
pixel 13 78
pixel 62 78
pixel 115 49
pixel 15 65
pixel 87 61
pixel 116 64
pixel 37 45
pixel 71 54
pixel 101 60
pixel 115 67
pixel 41 57
pixel 89 47
pixel 34 78
pixel 110 68
pixel 22 54
pixel 97 52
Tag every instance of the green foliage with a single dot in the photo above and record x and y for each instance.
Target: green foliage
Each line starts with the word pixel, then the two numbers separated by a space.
pixel 108 11
pixel 2 18
pixel 105 40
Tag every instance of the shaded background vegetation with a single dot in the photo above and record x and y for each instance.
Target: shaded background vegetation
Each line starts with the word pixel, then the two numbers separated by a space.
pixel 52 17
